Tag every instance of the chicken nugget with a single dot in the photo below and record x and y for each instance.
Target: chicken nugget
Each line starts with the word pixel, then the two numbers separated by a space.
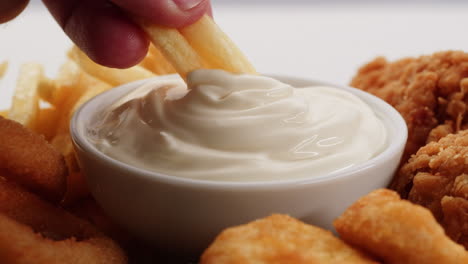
pixel 34 231
pixel 27 158
pixel 19 244
pixel 439 171
pixel 397 231
pixel 280 239
pixel 428 91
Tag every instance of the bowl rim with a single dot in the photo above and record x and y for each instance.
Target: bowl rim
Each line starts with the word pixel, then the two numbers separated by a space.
pixel 395 147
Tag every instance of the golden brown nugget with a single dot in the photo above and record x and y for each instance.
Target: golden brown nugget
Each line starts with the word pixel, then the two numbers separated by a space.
pixel 31 161
pixel 397 231
pixel 438 174
pixel 428 91
pixel 34 231
pixel 280 239
pixel 19 244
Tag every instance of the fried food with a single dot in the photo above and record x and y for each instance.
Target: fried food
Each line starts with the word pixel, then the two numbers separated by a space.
pixel 25 106
pixel 438 174
pixel 397 231
pixel 156 63
pixel 215 47
pixel 3 68
pixel 33 231
pixel 174 48
pixel 28 159
pixel 431 94
pixel 428 91
pixel 280 239
pixel 112 76
pixel 201 45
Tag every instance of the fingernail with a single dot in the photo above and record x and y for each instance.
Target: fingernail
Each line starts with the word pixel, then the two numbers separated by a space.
pixel 187 4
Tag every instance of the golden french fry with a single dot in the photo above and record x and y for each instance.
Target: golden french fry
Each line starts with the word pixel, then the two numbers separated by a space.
pixel 3 68
pixel 110 75
pixel 25 105
pixel 215 47
pixel 47 89
pixel 58 90
pixel 85 87
pixel 4 113
pixel 96 89
pixel 46 122
pixel 156 63
pixel 174 47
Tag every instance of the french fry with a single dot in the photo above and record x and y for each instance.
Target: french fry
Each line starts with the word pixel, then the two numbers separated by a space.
pixel 85 86
pixel 215 47
pixel 174 47
pixel 3 68
pixel 25 105
pixel 110 75
pixel 4 113
pixel 46 122
pixel 98 88
pixel 47 89
pixel 58 90
pixel 156 63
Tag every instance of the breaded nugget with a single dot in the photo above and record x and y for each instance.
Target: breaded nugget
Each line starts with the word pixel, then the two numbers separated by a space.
pixel 27 158
pixel 29 209
pixel 437 177
pixel 280 239
pixel 397 231
pixel 428 91
pixel 33 231
pixel 19 244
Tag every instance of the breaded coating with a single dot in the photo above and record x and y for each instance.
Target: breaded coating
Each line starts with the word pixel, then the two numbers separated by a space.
pixel 428 91
pixel 20 245
pixel 27 158
pixel 397 231
pixel 438 177
pixel 280 239
pixel 34 231
pixel 29 209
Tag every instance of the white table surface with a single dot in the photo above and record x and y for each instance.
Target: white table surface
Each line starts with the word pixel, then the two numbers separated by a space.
pixel 321 41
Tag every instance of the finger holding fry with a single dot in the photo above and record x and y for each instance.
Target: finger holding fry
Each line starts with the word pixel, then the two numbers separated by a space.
pixel 174 47
pixel 110 75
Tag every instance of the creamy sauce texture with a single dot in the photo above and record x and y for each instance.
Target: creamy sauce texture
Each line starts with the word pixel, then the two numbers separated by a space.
pixel 242 128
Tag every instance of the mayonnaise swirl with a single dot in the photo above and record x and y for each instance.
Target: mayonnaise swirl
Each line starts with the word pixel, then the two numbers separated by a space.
pixel 229 127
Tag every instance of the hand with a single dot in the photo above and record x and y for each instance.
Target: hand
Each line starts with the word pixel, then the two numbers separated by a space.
pixel 9 9
pixel 103 29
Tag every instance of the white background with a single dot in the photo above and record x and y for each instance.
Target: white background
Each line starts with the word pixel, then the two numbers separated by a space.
pixel 326 40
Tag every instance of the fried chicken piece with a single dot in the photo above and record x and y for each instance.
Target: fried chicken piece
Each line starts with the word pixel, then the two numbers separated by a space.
pixel 427 91
pixel 397 231
pixel 438 176
pixel 27 158
pixel 280 239
pixel 34 231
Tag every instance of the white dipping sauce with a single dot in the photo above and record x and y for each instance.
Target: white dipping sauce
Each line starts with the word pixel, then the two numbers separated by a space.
pixel 241 128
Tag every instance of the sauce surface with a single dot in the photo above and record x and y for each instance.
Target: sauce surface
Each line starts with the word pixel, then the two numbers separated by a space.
pixel 228 127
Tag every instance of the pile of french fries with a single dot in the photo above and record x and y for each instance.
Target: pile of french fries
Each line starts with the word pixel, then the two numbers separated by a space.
pixel 46 105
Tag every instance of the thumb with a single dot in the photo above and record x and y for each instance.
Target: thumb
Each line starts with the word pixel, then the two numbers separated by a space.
pixel 171 13
pixel 9 9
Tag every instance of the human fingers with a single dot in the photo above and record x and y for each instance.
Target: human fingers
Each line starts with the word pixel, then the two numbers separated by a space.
pixel 9 9
pixel 102 30
pixel 171 13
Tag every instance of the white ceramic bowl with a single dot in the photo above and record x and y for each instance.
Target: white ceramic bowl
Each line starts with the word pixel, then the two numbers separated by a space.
pixel 186 214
